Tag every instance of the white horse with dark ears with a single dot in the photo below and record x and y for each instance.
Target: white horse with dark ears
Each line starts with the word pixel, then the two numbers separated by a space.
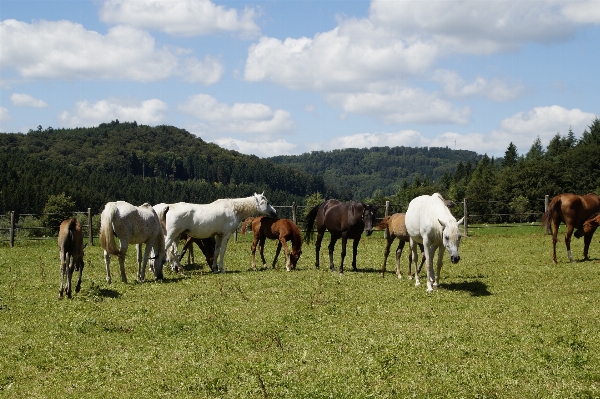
pixel 430 222
pixel 219 218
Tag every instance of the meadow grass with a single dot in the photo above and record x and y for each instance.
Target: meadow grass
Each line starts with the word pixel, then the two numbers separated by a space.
pixel 506 322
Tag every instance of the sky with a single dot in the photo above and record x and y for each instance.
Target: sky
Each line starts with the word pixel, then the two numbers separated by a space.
pixel 285 77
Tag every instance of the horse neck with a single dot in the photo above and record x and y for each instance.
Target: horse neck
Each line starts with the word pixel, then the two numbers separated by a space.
pixel 244 207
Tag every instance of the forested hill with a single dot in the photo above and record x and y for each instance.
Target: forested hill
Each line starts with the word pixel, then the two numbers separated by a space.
pixel 136 163
pixel 364 173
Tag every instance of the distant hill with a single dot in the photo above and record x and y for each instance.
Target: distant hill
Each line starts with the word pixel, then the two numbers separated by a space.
pixel 359 173
pixel 136 163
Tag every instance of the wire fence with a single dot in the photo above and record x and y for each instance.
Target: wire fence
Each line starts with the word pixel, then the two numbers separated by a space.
pixel 15 227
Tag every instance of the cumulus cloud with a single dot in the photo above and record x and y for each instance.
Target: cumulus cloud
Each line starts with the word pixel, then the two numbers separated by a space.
pixel 149 112
pixel 25 100
pixel 261 149
pixel 180 17
pixel 4 115
pixel 66 50
pixel 407 138
pixel 245 118
pixel 401 105
pixel 207 72
pixel 454 86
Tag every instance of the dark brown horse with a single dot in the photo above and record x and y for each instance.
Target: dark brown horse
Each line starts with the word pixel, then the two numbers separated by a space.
pixel 70 243
pixel 342 220
pixel 206 245
pixel 283 230
pixel 572 210
pixel 395 227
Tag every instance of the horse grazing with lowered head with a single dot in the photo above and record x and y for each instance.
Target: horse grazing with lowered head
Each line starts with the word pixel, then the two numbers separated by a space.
pixel 206 245
pixel 430 222
pixel 283 230
pixel 395 227
pixel 590 226
pixel 219 218
pixel 342 220
pixel 70 243
pixel 132 225
pixel 572 210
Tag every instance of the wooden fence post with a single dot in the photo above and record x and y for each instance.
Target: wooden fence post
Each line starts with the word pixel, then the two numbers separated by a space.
pixel 465 221
pixel 294 212
pixel 90 233
pixel 387 213
pixel 12 229
pixel 546 203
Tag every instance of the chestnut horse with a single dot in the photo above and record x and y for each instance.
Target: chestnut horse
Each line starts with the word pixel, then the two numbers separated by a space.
pixel 283 230
pixel 589 227
pixel 70 243
pixel 573 210
pixel 395 227
pixel 342 220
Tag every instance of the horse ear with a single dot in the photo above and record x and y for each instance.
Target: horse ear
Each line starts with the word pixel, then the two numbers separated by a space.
pixel 442 223
pixel 461 220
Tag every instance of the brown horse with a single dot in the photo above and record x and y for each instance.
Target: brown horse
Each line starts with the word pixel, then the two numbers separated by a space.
pixel 282 230
pixel 342 220
pixel 70 243
pixel 395 228
pixel 573 210
pixel 206 245
pixel 589 227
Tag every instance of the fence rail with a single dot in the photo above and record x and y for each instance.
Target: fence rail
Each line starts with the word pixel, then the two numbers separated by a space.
pixel 285 211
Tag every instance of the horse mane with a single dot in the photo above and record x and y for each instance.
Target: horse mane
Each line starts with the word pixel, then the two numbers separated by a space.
pixel 245 224
pixel 247 205
pixel 296 235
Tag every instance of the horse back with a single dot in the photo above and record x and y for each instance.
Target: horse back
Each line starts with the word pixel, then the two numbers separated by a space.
pixel 572 209
pixel 70 237
pixel 344 217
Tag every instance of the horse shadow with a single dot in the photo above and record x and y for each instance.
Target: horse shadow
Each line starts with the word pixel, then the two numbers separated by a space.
pixel 475 288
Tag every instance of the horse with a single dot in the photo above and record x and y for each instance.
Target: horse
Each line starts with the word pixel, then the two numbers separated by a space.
pixel 573 210
pixel 430 222
pixel 395 227
pixel 206 245
pixel 283 230
pixel 132 225
pixel 342 220
pixel 70 243
pixel 219 218
pixel 589 227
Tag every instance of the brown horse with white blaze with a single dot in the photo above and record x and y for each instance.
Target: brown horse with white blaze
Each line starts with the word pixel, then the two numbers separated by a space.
pixel 395 227
pixel 283 230
pixel 572 210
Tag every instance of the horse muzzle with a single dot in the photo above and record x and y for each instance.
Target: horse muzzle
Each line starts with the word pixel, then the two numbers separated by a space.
pixel 454 259
pixel 369 232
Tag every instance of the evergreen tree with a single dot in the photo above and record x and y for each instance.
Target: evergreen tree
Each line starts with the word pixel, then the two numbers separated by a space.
pixel 536 151
pixel 510 156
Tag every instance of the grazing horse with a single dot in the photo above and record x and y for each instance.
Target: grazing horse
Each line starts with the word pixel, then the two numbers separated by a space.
pixel 219 218
pixel 131 225
pixel 589 227
pixel 573 210
pixel 342 220
pixel 206 245
pixel 395 227
pixel 70 243
pixel 430 222
pixel 283 230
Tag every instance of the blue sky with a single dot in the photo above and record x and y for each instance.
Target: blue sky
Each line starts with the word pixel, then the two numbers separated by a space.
pixel 287 77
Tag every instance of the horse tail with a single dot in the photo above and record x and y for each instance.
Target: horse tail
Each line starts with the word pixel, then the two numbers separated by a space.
pixel 310 222
pixel 107 235
pixel 245 224
pixel 553 209
pixel 383 225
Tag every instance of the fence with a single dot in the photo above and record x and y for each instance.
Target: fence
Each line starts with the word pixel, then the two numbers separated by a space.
pixel 291 212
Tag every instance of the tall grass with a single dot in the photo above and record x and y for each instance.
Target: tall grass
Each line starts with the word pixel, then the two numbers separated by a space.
pixel 506 322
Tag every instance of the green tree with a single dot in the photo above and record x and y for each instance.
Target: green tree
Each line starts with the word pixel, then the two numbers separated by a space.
pixel 536 151
pixel 58 208
pixel 313 200
pixel 593 135
pixel 510 156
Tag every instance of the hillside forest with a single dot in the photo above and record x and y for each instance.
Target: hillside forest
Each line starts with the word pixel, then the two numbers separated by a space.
pixel 138 163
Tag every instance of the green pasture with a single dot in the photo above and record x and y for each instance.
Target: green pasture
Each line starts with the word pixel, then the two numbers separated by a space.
pixel 506 323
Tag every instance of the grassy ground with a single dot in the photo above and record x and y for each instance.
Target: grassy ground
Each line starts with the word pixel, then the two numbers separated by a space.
pixel 506 322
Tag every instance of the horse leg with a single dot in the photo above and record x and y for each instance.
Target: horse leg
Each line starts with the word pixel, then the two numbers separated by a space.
pixel 138 256
pixel 218 242
pixel 288 261
pixel 318 246
pixel 253 249
pixel 429 252
pixel 261 249
pixel 386 252
pixel 438 269
pixel 62 274
pixel 568 242
pixel 413 257
pixel 554 241
pixel 107 263
pixel 123 251
pixel 142 265
pixel 355 252
pixel 70 269
pixel 331 247
pixel 222 251
pixel 398 255
pixel 78 286
pixel 422 258
pixel 587 239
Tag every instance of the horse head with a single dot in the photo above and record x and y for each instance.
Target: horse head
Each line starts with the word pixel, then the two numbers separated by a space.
pixel 589 226
pixel 369 212
pixel 263 205
pixel 451 237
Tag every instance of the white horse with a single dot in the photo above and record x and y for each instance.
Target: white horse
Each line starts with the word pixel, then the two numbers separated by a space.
pixel 219 218
pixel 132 225
pixel 429 222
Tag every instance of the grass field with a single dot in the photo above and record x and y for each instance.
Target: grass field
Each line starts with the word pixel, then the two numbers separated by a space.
pixel 506 323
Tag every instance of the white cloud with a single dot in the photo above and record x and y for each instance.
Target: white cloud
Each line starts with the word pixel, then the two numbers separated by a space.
pixel 582 11
pixel 261 149
pixel 497 90
pixel 246 118
pixel 66 50
pixel 180 17
pixel 25 100
pixel 4 115
pixel 149 112
pixel 207 72
pixel 407 138
pixel 401 105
